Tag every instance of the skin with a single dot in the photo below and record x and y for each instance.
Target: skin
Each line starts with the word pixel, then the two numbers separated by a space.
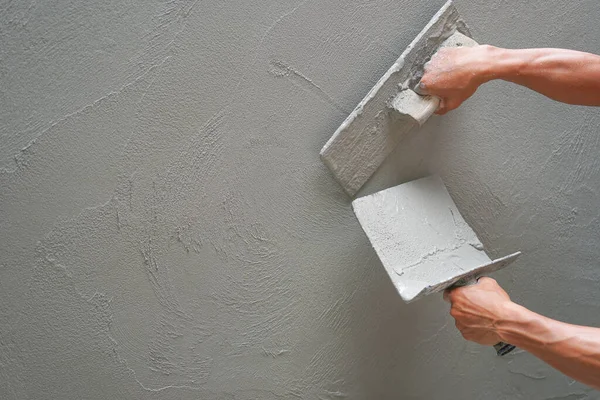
pixel 484 312
pixel 569 76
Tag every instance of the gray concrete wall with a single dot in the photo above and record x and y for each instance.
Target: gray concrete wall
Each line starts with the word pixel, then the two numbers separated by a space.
pixel 169 232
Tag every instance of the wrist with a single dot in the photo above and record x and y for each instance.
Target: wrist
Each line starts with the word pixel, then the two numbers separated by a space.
pixel 512 318
pixel 501 64
pixel 485 63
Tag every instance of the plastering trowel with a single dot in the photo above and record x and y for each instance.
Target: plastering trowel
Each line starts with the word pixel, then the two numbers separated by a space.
pixel 392 107
pixel 416 229
pixel 423 241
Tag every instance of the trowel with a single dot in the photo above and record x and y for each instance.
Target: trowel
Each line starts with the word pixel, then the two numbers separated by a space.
pixel 423 242
pixel 392 107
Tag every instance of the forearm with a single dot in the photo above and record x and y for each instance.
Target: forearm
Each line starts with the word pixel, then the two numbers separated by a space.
pixel 573 350
pixel 564 75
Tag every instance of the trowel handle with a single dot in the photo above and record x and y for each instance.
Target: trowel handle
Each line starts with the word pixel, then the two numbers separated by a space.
pixel 419 108
pixel 501 348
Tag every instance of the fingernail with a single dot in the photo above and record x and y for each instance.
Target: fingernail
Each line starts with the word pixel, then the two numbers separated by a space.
pixel 420 89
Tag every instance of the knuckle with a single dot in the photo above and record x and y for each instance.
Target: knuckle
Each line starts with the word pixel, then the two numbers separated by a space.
pixel 487 280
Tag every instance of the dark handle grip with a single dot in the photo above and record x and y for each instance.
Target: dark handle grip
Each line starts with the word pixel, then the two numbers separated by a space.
pixel 501 348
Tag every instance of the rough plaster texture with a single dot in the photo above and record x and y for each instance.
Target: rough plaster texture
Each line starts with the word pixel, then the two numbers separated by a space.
pixel 171 233
pixel 421 238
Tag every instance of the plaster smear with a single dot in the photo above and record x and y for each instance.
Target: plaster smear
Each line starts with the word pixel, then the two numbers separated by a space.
pixel 173 234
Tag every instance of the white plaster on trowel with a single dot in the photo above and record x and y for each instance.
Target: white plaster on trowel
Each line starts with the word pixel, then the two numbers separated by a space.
pixel 421 238
pixel 417 108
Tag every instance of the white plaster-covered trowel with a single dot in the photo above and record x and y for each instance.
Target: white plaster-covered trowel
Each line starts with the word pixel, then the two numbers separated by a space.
pixel 423 242
pixel 392 107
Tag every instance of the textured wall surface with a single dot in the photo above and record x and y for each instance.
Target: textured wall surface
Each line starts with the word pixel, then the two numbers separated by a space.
pixel 167 230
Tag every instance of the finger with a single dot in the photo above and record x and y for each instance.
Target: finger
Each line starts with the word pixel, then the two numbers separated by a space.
pixel 484 280
pixel 446 108
pixel 454 103
pixel 421 89
pixel 441 110
pixel 449 105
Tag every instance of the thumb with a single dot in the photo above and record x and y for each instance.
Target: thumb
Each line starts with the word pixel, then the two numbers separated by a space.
pixel 421 89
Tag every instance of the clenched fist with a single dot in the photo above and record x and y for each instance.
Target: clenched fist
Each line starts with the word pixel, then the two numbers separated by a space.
pixel 479 310
pixel 454 74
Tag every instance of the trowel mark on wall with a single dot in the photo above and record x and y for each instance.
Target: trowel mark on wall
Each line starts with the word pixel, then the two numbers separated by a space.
pixel 575 145
pixel 69 123
pixel 527 374
pixel 175 349
pixel 571 396
pixel 280 69
pixel 274 353
pixel 248 292
pixel 33 116
pixel 331 395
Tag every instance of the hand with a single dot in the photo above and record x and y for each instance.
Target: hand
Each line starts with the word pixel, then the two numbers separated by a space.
pixel 454 74
pixel 478 309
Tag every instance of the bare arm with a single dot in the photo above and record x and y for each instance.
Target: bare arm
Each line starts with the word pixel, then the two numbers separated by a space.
pixel 569 76
pixel 485 314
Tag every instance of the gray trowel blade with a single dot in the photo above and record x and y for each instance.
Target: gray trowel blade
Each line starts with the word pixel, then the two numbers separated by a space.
pixel 421 238
pixel 372 130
